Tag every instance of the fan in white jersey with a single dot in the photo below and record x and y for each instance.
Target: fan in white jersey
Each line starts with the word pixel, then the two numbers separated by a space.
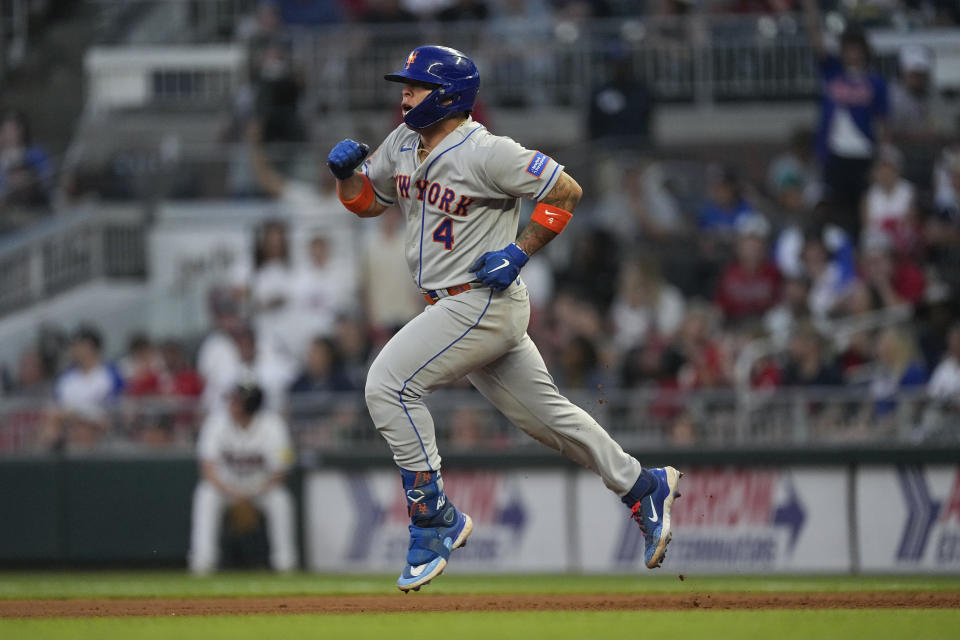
pixel 459 188
pixel 245 453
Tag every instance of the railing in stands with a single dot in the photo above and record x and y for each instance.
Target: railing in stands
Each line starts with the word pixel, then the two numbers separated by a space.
pixel 69 249
pixel 753 404
pixel 640 419
pixel 699 59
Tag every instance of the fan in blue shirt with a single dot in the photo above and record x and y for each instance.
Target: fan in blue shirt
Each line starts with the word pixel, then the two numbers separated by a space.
pixel 853 110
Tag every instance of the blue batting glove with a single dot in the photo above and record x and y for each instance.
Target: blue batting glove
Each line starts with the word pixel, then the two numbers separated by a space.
pixel 346 157
pixel 497 269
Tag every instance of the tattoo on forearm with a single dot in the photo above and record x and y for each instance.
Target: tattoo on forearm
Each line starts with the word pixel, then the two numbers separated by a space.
pixel 565 194
pixel 534 237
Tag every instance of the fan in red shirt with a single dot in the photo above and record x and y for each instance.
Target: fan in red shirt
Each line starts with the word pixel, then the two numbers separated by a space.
pixel 750 284
pixel 181 379
pixel 142 368
pixel 152 370
pixel 896 279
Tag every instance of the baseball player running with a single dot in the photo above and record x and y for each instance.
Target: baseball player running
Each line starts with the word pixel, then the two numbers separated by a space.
pixel 459 188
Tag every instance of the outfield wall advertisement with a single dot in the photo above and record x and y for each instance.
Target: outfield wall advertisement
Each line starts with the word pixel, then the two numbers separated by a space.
pixel 746 519
pixel 357 521
pixel 728 519
pixel 909 518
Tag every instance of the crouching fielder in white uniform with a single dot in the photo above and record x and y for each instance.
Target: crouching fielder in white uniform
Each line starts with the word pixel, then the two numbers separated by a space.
pixel 245 454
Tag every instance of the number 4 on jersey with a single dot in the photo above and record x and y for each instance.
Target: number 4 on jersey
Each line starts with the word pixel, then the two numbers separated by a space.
pixel 444 233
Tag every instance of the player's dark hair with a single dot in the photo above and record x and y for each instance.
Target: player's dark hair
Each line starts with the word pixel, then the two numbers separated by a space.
pixel 250 395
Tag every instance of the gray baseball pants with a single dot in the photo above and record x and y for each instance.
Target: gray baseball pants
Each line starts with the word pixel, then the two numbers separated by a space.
pixel 481 334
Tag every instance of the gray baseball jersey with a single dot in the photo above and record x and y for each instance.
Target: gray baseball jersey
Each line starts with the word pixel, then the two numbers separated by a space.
pixel 462 200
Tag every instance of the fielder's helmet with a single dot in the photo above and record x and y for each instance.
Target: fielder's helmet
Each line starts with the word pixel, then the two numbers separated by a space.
pixel 452 73
pixel 250 395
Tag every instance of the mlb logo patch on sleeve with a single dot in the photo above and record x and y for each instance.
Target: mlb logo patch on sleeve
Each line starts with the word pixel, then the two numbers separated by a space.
pixel 537 164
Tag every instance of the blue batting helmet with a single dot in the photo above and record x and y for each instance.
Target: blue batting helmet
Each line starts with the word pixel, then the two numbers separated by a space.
pixel 452 73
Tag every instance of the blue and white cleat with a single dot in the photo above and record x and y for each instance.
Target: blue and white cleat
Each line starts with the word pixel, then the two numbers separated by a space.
pixel 430 549
pixel 652 513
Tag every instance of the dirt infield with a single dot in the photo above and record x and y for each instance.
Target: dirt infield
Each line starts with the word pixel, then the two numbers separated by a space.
pixel 110 607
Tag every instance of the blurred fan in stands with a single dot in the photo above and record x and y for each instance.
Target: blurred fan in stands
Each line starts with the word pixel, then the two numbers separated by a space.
pixel 25 170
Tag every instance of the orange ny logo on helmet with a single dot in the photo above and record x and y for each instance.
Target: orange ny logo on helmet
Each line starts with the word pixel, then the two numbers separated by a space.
pixel 410 59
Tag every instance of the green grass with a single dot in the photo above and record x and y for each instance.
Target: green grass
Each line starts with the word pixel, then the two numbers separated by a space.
pixel 180 584
pixel 864 624
pixel 867 624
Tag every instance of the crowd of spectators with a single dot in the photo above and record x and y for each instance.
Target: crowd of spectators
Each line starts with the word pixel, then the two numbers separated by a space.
pixel 663 309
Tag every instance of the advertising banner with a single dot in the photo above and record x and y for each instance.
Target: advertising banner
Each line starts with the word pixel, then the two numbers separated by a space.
pixel 357 521
pixel 181 258
pixel 727 520
pixel 909 518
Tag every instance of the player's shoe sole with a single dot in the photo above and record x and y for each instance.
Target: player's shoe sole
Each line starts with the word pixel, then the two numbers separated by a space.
pixel 673 484
pixel 413 578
